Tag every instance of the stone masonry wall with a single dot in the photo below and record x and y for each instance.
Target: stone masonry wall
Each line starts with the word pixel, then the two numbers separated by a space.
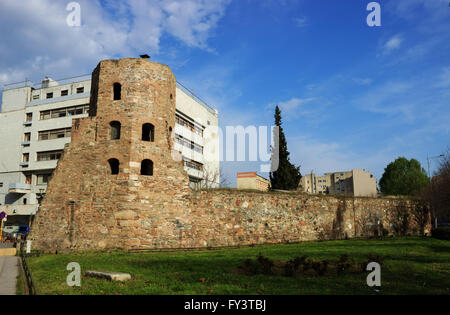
pixel 88 208
pixel 231 217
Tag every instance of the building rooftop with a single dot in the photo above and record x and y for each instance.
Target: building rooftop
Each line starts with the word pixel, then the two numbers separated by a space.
pixel 249 174
pixel 48 82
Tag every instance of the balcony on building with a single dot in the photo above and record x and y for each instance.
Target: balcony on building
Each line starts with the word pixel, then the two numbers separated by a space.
pixel 12 210
pixel 18 188
pixel 26 143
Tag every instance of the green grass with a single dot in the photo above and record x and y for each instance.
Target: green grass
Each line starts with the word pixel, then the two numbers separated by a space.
pixel 412 265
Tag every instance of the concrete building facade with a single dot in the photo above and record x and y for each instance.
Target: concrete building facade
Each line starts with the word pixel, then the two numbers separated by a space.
pixel 252 181
pixel 36 125
pixel 356 182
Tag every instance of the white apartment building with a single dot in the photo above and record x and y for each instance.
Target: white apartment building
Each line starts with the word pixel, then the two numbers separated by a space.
pixel 35 125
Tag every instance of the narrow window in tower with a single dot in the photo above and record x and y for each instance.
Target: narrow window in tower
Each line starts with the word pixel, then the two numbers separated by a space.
pixel 117 91
pixel 148 132
pixel 115 130
pixel 114 165
pixel 147 168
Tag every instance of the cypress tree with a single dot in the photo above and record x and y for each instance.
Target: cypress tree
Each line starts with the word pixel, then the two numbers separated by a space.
pixel 287 176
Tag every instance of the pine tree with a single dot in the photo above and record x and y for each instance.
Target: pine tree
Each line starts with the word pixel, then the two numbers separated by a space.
pixel 287 176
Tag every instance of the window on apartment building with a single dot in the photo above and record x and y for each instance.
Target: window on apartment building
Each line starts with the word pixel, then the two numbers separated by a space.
pixel 73 111
pixel 117 87
pixel 148 132
pixel 27 137
pixel 49 95
pixel 1 185
pixel 63 112
pixel 24 201
pixel 57 113
pixel 187 143
pixel 64 92
pixel 80 90
pixel 147 168
pixel 42 179
pixel 35 97
pixel 49 155
pixel 26 157
pixel 114 166
pixel 28 179
pixel 115 130
pixel 192 164
pixel 185 123
pixel 29 117
pixel 54 134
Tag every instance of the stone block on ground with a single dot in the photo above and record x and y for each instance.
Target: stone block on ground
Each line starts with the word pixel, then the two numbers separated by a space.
pixel 112 276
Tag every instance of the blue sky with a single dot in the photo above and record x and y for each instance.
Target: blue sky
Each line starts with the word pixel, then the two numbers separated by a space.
pixel 352 96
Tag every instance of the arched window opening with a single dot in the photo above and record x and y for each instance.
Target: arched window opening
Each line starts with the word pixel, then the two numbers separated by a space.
pixel 114 165
pixel 148 132
pixel 115 130
pixel 147 168
pixel 117 91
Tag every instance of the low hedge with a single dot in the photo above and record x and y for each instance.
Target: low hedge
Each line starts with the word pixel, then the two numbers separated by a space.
pixel 442 233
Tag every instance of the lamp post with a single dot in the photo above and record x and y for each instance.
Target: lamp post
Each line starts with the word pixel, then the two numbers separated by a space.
pixel 431 182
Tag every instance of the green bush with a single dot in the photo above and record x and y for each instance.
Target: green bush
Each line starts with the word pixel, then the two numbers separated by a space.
pixel 442 233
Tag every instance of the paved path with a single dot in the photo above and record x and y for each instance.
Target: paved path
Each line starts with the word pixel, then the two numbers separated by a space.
pixel 9 270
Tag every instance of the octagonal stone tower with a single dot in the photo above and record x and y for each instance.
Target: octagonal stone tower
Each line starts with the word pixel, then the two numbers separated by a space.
pixel 118 184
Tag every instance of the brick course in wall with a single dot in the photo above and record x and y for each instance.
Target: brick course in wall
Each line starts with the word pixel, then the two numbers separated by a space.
pixel 88 208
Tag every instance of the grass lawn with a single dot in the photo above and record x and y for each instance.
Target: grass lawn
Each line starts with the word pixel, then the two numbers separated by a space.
pixel 412 265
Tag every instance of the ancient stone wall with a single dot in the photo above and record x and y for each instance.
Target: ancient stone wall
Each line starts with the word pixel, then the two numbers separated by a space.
pixel 88 207
pixel 231 217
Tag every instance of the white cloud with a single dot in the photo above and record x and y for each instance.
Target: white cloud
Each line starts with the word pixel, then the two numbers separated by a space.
pixel 292 107
pixel 301 22
pixel 362 81
pixel 38 40
pixel 320 156
pixel 392 44
pixel 443 80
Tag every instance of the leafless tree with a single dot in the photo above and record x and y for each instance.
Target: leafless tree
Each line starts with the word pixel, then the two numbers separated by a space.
pixel 213 178
pixel 437 194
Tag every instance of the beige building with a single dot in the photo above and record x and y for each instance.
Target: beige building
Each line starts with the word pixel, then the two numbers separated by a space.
pixel 313 184
pixel 351 183
pixel 252 181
